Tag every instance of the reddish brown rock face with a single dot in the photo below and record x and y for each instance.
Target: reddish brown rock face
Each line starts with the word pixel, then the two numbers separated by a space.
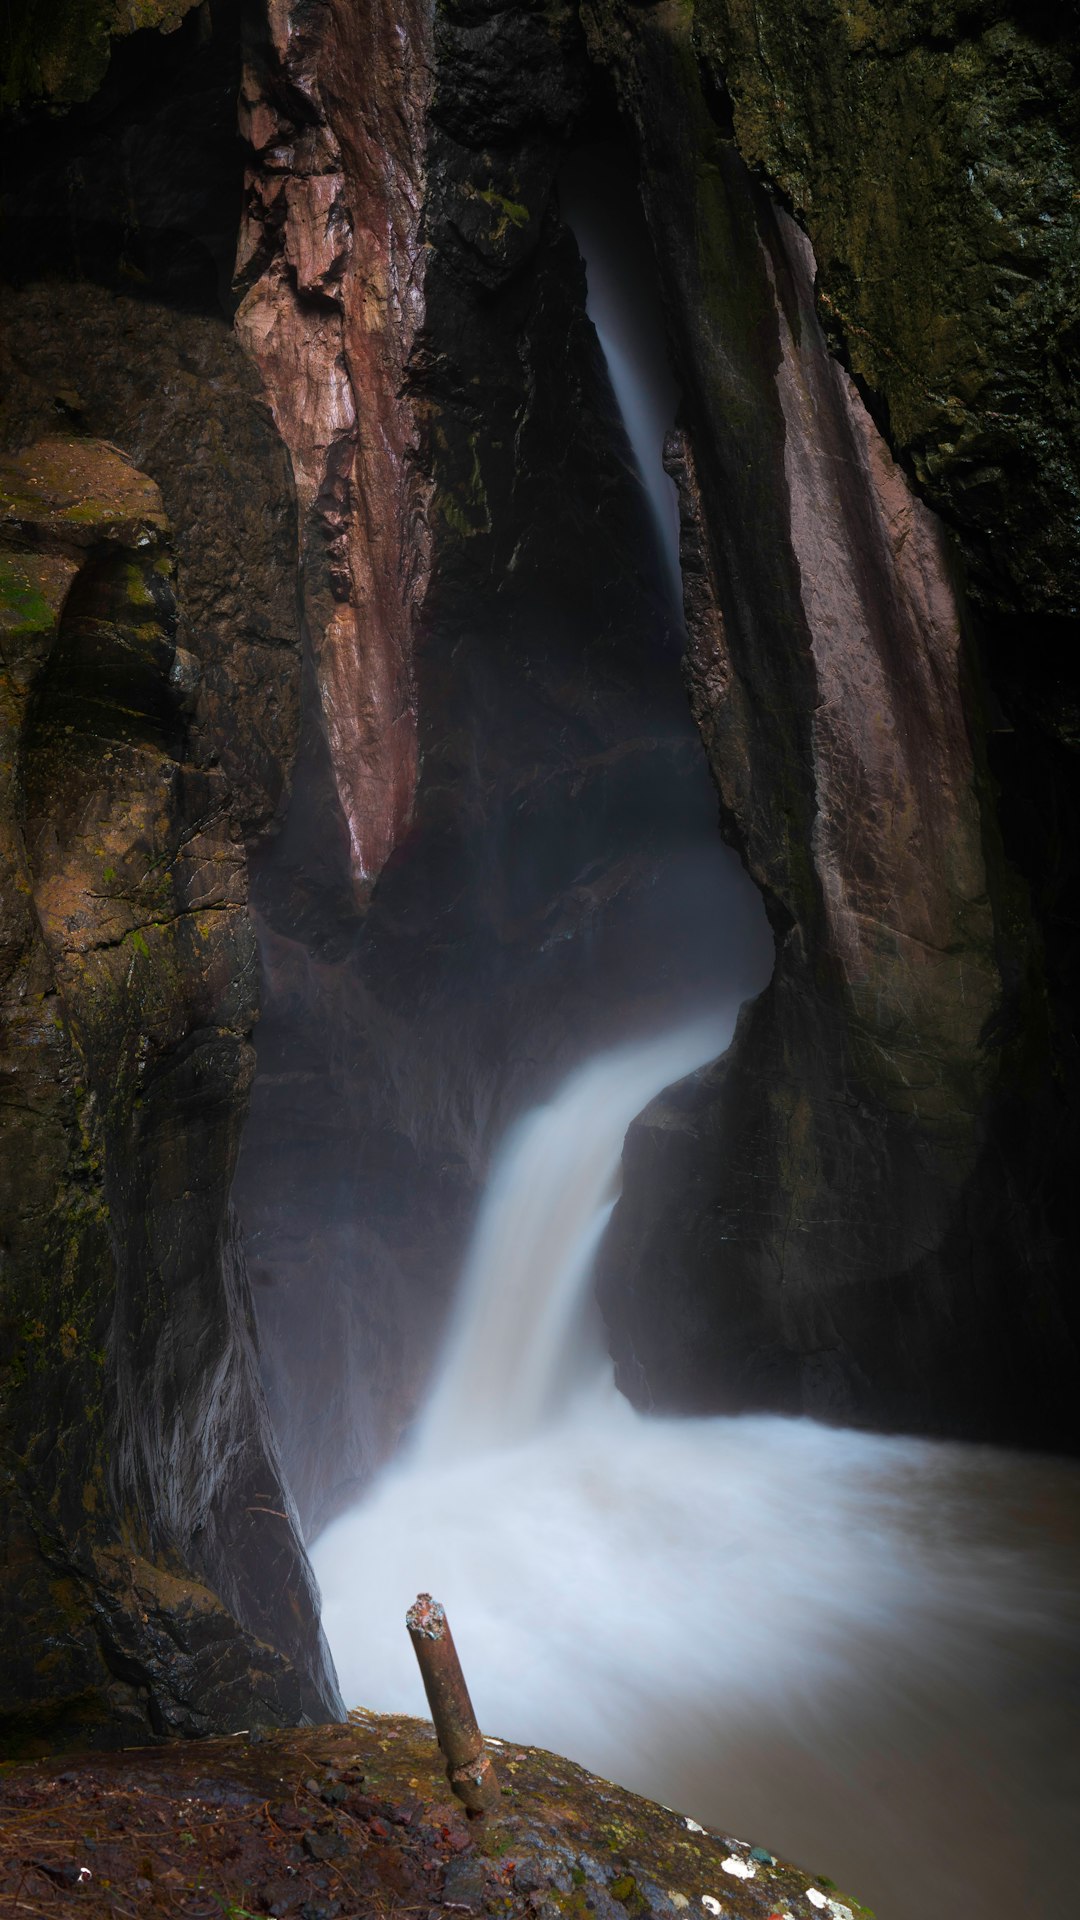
pixel 897 835
pixel 330 253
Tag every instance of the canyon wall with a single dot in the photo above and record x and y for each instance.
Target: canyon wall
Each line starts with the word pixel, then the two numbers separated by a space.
pixel 333 107
pixel 155 1580
pixel 863 1212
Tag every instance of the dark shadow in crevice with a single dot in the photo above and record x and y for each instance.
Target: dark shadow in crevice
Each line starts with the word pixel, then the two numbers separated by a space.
pixel 140 188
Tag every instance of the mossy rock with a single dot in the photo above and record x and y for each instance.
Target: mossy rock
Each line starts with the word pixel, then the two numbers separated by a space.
pixel 931 152
pixel 56 51
pixel 66 493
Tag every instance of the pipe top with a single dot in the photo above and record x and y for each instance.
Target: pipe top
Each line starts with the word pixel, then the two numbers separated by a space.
pixel 426 1617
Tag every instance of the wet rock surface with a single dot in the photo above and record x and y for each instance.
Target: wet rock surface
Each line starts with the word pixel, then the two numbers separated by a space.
pixel 136 183
pixel 175 393
pixel 154 1580
pixel 130 1384
pixel 931 152
pixel 867 1124
pixel 332 270
pixel 357 1817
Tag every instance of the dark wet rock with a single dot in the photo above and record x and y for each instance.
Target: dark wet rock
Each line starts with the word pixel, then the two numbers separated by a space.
pixel 324 1846
pixel 332 274
pixel 191 1847
pixel 844 1218
pixel 129 980
pixel 931 153
pixel 176 394
pixel 61 55
pixel 154 663
pixel 466 1886
pixel 135 186
pixel 279 1896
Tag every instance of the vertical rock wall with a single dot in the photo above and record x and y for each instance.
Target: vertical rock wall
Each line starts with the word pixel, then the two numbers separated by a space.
pixel 333 106
pixel 930 147
pixel 834 1220
pixel 154 1579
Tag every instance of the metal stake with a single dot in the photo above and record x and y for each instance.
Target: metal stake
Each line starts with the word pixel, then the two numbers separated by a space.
pixel 468 1768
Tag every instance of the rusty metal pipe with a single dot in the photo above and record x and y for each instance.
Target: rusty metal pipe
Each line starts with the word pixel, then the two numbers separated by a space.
pixel 468 1767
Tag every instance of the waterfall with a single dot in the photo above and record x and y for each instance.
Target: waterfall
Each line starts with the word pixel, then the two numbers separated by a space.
pixel 859 1650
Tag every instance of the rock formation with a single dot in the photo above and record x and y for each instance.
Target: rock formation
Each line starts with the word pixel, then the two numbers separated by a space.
pixel 860 1170
pixel 330 255
pixel 153 1558
pixel 155 1578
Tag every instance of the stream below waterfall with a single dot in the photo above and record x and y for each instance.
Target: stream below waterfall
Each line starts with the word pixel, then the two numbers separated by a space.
pixel 860 1651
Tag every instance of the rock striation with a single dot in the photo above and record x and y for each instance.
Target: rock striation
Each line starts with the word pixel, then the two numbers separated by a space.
pixel 329 254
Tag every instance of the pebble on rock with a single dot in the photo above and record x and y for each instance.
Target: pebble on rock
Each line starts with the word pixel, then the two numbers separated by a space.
pixel 739 1869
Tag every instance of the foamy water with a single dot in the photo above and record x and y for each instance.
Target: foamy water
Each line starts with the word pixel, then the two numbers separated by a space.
pixel 859 1650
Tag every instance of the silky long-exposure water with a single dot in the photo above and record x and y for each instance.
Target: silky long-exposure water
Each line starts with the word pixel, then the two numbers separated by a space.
pixel 859 1650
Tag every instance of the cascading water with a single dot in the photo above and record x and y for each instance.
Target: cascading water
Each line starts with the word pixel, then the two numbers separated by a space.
pixel 855 1649
pixel 523 1337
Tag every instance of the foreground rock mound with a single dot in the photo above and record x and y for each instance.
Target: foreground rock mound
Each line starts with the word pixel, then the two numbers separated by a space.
pixel 358 1818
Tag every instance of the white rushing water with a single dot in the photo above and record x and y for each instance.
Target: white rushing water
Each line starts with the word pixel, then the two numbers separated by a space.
pixel 858 1650
pixel 599 203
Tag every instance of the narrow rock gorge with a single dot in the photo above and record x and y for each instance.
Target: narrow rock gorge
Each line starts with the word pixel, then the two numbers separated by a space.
pixel 362 776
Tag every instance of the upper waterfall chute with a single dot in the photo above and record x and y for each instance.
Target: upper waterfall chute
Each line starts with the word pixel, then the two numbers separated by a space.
pixel 600 207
